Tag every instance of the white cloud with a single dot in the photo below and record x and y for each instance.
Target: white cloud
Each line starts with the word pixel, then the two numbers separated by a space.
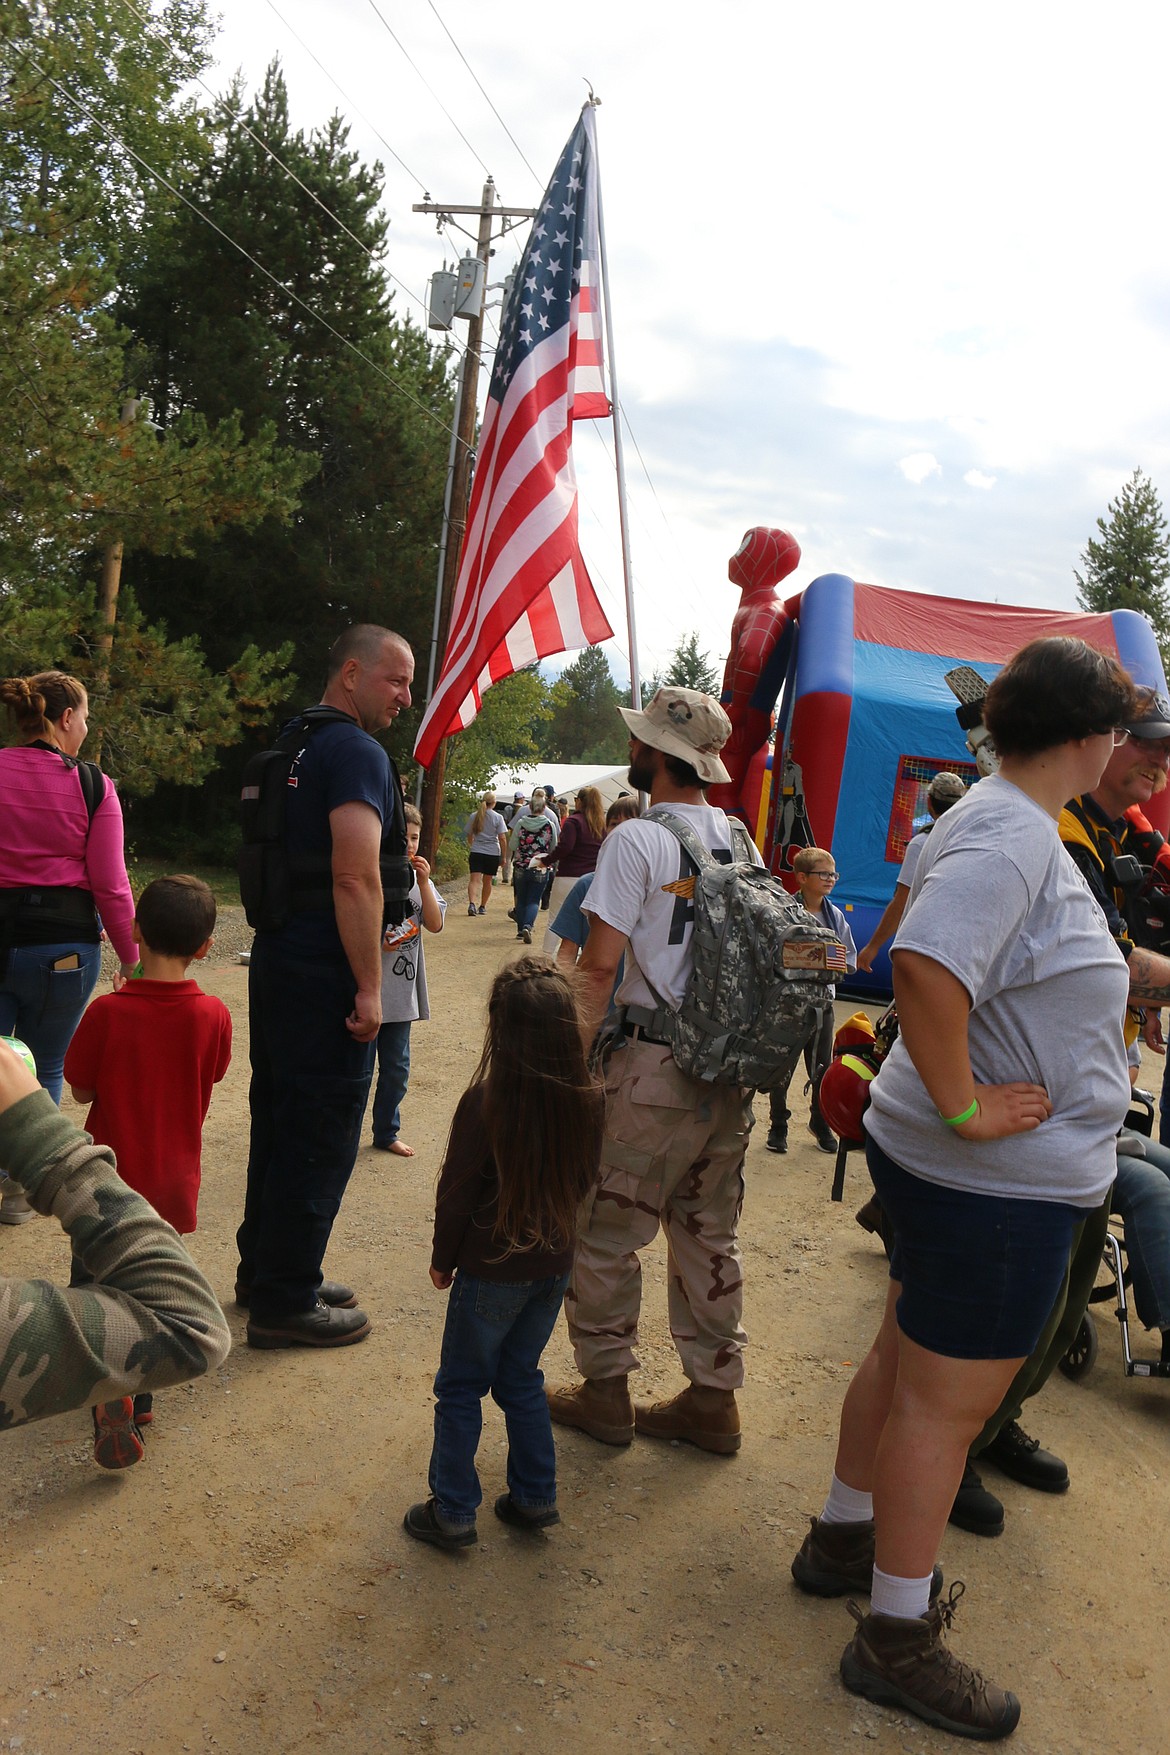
pixel 919 466
pixel 977 479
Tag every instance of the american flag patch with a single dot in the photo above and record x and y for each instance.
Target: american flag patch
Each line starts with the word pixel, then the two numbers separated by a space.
pixel 826 954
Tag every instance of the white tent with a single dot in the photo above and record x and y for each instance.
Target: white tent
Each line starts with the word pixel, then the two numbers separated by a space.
pixel 566 779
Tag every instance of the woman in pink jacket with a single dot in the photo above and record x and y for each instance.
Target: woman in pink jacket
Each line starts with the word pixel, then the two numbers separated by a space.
pixel 61 866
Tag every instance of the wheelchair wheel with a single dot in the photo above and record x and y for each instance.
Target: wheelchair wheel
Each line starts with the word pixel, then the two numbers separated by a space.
pixel 1082 1355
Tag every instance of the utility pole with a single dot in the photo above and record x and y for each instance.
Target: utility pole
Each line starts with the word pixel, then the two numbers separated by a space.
pixel 460 486
pixel 108 588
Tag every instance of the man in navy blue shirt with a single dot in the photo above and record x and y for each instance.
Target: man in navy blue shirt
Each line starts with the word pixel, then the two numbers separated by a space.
pixel 315 1001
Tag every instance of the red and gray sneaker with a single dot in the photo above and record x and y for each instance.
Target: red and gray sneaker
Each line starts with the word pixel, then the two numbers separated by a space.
pixel 117 1442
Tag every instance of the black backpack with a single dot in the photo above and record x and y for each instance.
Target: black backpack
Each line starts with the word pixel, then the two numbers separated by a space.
pixel 273 886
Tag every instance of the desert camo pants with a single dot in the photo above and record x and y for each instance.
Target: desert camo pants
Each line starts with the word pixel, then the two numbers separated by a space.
pixel 672 1157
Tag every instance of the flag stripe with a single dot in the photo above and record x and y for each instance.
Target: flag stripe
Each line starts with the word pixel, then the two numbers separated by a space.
pixel 523 591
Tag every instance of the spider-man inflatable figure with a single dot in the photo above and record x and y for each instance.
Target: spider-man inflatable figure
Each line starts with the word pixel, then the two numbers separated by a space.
pixel 755 661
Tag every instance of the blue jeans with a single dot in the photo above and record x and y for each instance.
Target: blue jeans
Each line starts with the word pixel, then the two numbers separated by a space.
pixel 529 889
pixel 393 1073
pixel 43 1005
pixel 1141 1195
pixel 492 1340
pixel 310 1084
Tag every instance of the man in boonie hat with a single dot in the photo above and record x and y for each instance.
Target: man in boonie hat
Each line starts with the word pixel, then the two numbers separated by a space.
pixel 674 1146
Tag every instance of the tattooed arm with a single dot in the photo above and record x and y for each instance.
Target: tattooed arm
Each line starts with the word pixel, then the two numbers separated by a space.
pixel 1149 978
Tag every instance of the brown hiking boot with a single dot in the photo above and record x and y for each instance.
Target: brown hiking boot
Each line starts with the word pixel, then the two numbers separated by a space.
pixel 905 1663
pixel 838 1557
pixel 702 1416
pixel 600 1406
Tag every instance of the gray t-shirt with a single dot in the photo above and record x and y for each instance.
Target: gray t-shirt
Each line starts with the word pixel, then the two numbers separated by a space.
pixel 998 902
pixel 915 848
pixel 487 841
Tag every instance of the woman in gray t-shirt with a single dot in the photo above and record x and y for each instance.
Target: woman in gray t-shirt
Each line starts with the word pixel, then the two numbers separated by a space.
pixel 991 1132
pixel 487 843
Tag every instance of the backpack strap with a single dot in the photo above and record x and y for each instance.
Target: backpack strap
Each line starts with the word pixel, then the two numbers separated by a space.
pixel 682 831
pixel 93 786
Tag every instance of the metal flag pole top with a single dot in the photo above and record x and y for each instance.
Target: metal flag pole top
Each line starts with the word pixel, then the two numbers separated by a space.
pixel 618 447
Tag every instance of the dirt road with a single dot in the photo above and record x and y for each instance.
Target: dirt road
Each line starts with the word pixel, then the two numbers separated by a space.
pixel 249 1588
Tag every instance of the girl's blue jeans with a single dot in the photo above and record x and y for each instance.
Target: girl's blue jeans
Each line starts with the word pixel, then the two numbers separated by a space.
pixel 43 1005
pixel 492 1341
pixel 529 889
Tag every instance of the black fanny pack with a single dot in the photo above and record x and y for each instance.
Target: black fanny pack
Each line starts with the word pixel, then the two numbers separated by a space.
pixel 47 915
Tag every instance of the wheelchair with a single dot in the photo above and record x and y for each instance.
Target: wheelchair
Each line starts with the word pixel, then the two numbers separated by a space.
pixel 1114 1286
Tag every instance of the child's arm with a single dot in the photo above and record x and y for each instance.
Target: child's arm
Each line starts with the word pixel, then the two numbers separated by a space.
pixel 150 1321
pixel 81 1096
pixel 432 911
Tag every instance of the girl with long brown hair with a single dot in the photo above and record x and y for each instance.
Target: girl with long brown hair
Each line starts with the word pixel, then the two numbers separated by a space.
pixel 522 1155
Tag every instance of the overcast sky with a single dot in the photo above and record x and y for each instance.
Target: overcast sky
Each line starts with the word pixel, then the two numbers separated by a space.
pixel 894 278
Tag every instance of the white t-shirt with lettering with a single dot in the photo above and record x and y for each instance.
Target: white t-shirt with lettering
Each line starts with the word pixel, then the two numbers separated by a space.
pixel 997 901
pixel 643 887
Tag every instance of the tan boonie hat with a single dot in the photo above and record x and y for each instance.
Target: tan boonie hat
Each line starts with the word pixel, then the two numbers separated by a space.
pixel 947 788
pixel 687 724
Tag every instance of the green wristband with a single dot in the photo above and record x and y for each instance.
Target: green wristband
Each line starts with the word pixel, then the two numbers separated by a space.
pixel 958 1120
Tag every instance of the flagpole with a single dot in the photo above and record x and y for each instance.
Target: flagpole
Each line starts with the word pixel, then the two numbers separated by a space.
pixel 618 447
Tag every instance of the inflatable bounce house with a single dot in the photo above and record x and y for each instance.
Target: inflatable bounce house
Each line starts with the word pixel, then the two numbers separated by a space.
pixel 864 718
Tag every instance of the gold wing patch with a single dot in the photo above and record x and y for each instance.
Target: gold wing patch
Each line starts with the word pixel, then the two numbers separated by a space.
pixel 681 887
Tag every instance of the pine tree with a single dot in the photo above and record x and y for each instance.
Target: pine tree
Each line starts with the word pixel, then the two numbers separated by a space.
pixel 76 476
pixel 691 669
pixel 1128 565
pixel 585 724
pixel 363 544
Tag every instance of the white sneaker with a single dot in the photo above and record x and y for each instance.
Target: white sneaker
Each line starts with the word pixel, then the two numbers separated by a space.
pixel 14 1206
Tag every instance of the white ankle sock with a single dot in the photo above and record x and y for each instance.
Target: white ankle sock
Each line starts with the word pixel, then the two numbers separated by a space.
pixel 904 1598
pixel 846 1504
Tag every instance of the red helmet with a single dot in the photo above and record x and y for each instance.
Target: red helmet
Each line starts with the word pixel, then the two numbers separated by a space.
pixel 843 1093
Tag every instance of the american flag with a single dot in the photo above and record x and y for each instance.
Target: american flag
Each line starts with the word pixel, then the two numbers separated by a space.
pixel 523 592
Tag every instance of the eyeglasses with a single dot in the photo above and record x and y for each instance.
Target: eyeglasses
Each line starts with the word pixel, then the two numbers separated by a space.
pixel 828 877
pixel 1120 735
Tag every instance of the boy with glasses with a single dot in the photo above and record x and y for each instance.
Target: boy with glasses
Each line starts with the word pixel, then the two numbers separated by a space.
pixel 815 876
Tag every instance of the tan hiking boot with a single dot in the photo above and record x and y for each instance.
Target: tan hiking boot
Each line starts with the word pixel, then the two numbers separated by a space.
pixel 702 1416
pixel 599 1406
pixel 835 1558
pixel 905 1663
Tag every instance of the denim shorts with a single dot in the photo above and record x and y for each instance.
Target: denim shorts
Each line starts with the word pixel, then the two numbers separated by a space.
pixel 979 1273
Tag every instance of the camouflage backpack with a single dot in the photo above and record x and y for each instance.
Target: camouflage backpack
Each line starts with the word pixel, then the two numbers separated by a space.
pixel 762 969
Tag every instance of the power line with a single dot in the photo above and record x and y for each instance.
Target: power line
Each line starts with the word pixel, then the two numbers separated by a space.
pixel 413 175
pixel 239 121
pixel 386 26
pixel 488 100
pixel 259 266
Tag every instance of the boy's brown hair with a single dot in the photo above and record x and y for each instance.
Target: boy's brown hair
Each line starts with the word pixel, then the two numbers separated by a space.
pixel 412 814
pixel 175 915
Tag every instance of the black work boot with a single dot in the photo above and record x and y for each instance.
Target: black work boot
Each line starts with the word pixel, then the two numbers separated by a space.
pixel 975 1508
pixel 1021 1459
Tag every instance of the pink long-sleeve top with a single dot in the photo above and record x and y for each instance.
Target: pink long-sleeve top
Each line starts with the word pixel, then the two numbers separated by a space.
pixel 46 838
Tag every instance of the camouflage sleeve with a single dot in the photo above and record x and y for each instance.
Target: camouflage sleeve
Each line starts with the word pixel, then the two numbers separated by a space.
pixel 151 1321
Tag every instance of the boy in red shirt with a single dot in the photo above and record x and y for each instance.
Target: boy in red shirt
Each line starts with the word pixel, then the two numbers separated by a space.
pixel 146 1058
